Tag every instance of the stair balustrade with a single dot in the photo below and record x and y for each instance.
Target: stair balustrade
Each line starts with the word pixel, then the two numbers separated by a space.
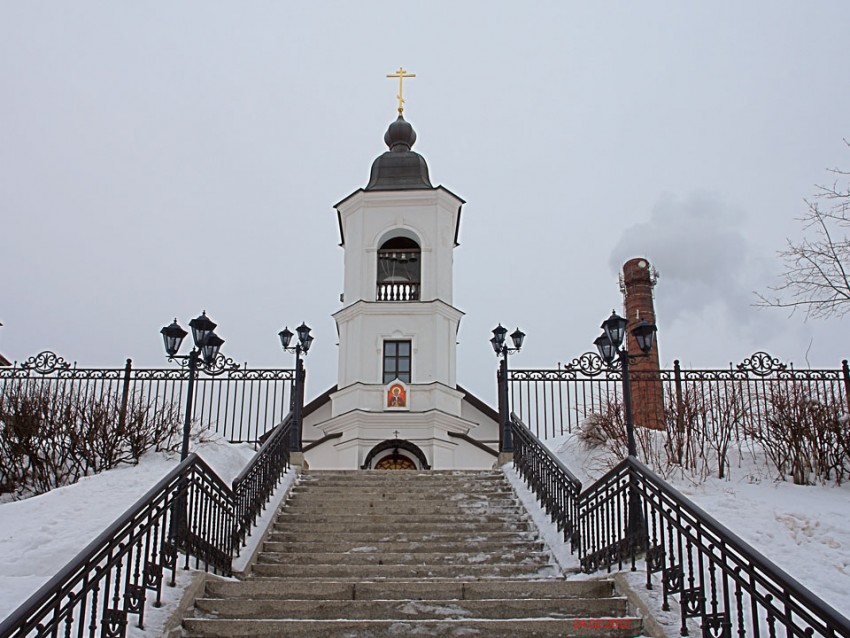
pixel 192 510
pixel 709 572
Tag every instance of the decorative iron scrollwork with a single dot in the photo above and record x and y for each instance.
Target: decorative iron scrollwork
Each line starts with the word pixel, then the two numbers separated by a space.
pixel 589 364
pixel 761 364
pixel 716 626
pixel 655 558
pixel 114 624
pixel 152 575
pixel 45 363
pixel 134 599
pixel 220 365
pixel 693 602
pixel 672 578
pixel 169 554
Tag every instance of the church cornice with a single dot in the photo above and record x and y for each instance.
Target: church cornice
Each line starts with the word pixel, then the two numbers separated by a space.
pixel 391 308
pixel 401 197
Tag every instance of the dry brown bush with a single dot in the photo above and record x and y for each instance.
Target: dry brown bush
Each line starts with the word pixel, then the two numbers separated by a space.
pixel 49 437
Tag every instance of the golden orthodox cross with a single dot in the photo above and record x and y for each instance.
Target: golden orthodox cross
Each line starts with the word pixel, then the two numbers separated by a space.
pixel 401 74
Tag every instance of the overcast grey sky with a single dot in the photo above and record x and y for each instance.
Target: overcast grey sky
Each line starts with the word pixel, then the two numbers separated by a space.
pixel 157 159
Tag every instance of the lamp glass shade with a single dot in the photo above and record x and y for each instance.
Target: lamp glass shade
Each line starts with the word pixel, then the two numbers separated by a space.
pixel 517 336
pixel 202 327
pixel 303 333
pixel 644 333
pixel 285 337
pixel 172 336
pixel 307 343
pixel 605 347
pixel 495 345
pixel 499 336
pixel 615 327
pixel 212 344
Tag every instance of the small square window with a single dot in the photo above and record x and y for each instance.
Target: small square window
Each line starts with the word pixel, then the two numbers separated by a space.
pixel 397 361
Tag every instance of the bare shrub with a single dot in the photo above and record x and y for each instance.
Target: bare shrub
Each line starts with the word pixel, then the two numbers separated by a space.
pixel 803 435
pixel 49 437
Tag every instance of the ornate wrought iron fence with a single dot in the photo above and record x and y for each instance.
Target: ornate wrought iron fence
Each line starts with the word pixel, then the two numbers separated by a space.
pixel 190 510
pixel 708 571
pixel 554 402
pixel 241 405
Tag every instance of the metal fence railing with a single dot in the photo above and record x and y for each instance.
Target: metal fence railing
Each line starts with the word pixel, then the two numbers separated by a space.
pixel 553 402
pixel 239 404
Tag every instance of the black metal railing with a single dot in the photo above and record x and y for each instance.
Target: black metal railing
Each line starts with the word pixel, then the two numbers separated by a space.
pixel 255 484
pixel 553 402
pixel 109 582
pixel 191 510
pixel 239 404
pixel 715 576
pixel 555 486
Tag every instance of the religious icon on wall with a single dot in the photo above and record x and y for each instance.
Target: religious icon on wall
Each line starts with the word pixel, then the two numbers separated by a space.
pixel 397 396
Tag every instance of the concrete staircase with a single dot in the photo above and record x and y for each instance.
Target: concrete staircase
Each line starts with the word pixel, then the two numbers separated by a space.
pixel 395 553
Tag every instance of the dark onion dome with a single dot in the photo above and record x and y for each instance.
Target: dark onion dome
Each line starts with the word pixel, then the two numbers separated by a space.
pixel 399 168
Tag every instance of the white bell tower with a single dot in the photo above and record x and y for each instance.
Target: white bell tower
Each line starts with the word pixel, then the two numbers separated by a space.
pixel 396 403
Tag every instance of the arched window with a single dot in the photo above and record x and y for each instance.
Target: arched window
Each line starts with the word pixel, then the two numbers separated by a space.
pixel 399 269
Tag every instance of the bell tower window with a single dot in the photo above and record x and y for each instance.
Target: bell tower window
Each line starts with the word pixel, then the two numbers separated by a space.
pixel 399 270
pixel 396 361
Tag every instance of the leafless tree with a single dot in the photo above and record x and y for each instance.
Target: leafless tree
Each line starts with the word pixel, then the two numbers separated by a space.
pixel 815 278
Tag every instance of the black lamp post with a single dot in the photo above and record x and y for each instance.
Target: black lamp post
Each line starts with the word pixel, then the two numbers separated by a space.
pixel 608 344
pixel 305 340
pixel 203 353
pixel 502 350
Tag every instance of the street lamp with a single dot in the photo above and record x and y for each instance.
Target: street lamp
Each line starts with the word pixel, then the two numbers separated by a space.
pixel 502 350
pixel 305 340
pixel 608 344
pixel 204 354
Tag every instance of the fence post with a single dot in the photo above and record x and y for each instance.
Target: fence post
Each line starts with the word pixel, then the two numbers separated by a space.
pixel 680 405
pixel 125 396
pixel 846 370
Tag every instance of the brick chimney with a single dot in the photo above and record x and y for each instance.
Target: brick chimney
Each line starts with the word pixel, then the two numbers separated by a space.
pixel 637 282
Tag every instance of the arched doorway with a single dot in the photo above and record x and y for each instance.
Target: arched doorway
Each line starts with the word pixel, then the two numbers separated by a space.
pixel 395 462
pixel 395 453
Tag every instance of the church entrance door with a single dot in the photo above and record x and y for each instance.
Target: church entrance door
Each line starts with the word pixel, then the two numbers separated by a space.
pixel 394 462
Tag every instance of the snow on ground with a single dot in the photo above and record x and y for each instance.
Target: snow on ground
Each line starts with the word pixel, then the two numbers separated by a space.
pixel 39 535
pixel 805 530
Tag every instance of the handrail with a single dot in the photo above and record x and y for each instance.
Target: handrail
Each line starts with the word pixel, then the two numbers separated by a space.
pixel 255 484
pixel 555 486
pixel 718 577
pixel 191 510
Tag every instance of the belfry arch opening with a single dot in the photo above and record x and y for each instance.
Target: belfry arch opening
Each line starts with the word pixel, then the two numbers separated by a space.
pixel 399 270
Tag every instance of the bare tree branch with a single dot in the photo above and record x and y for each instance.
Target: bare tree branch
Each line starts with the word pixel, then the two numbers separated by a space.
pixel 815 278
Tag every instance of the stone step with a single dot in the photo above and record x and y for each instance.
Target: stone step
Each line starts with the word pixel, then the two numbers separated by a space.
pixel 413 509
pixel 353 546
pixel 409 609
pixel 388 527
pixel 407 590
pixel 419 482
pixel 513 628
pixel 404 572
pixel 398 505
pixel 388 535
pixel 476 490
pixel 507 557
pixel 437 522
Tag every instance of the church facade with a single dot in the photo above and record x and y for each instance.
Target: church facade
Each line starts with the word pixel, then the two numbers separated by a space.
pixel 397 404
